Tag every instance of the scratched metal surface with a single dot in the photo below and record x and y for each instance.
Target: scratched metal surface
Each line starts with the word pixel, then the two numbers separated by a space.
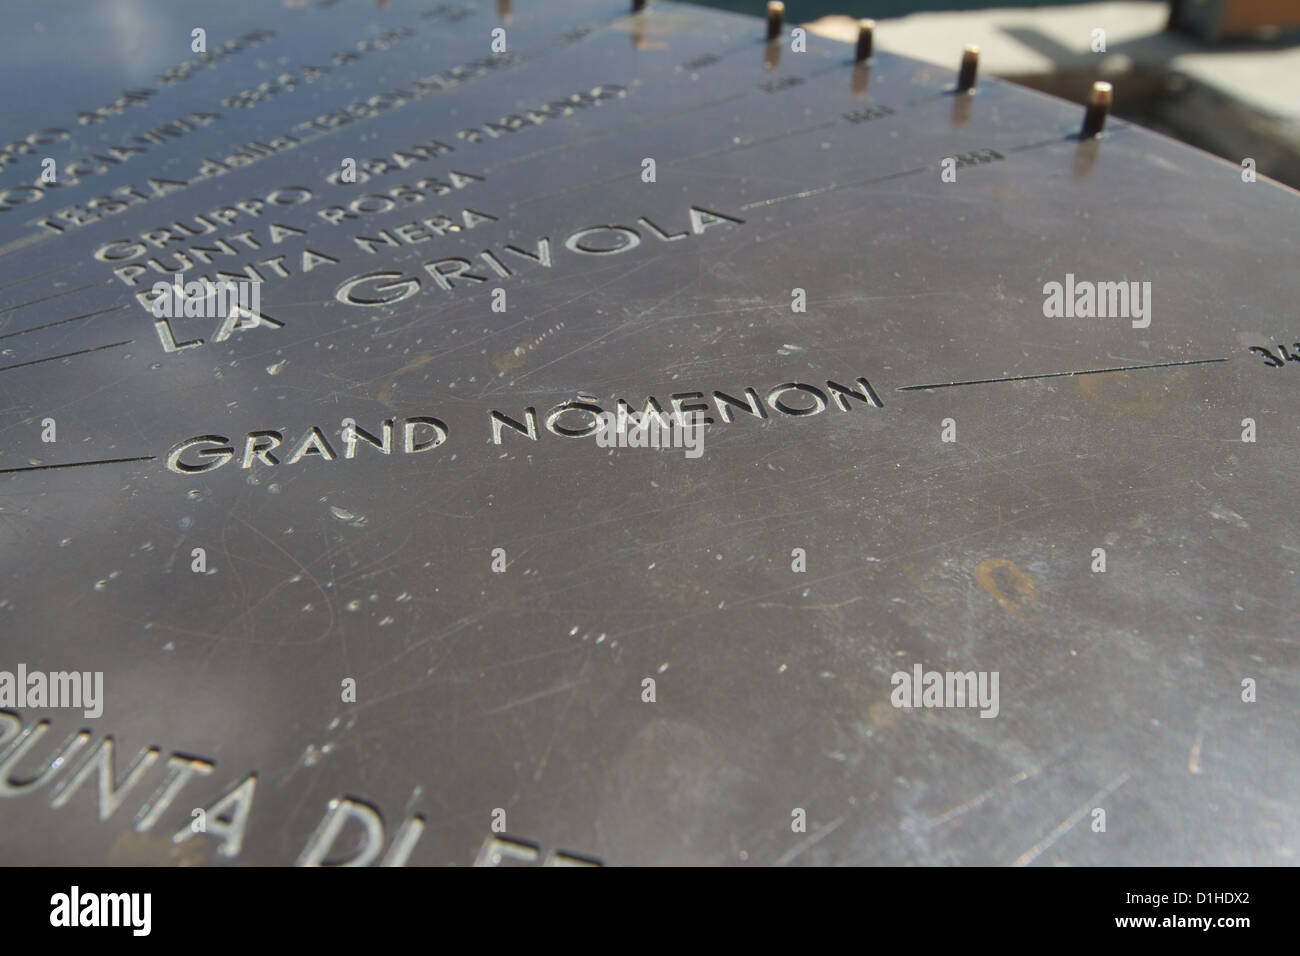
pixel 522 690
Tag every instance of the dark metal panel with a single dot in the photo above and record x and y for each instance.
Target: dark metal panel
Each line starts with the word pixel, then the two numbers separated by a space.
pixel 522 690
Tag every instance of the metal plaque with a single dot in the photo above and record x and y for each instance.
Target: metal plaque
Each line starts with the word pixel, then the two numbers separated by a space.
pixel 551 434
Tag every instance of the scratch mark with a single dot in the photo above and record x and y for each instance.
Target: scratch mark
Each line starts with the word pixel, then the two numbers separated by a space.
pixel 974 802
pixel 529 698
pixel 1068 824
pixel 1194 758
pixel 813 607
pixel 812 840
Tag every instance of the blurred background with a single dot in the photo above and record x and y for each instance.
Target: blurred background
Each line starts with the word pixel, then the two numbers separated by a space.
pixel 1221 75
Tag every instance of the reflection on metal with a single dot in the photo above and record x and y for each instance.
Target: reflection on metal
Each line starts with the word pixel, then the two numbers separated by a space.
pixel 861 77
pixel 363 585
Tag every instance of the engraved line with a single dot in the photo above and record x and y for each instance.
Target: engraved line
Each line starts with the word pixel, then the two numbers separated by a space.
pixel 663 117
pixel 36 275
pixel 814 192
pixel 626 127
pixel 678 162
pixel 79 288
pixel 1027 378
pixel 50 325
pixel 750 145
pixel 1113 127
pixel 55 358
pixel 909 172
pixel 30 239
pixel 75 464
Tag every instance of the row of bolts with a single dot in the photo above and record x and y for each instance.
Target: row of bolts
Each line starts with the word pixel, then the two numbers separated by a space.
pixel 1099 100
